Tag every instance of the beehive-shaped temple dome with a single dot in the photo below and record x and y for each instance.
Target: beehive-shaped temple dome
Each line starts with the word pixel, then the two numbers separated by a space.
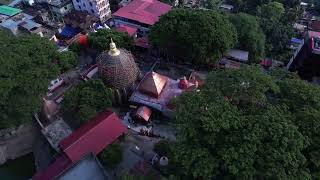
pixel 117 67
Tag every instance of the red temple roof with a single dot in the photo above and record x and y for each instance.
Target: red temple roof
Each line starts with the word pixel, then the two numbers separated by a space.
pixel 94 136
pixel 152 84
pixel 142 42
pixel 127 29
pixel 54 169
pixel 144 11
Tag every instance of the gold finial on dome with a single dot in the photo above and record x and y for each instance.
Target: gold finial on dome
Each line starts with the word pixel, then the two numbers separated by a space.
pixel 113 49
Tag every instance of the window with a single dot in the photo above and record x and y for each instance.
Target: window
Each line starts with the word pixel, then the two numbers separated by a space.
pixel 90 4
pixel 84 5
pixel 79 7
pixel 65 8
pixel 92 10
pixel 77 1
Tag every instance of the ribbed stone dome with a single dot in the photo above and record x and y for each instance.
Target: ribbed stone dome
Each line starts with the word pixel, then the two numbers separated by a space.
pixel 117 67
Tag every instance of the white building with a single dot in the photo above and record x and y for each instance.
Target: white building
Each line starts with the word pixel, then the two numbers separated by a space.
pixel 99 8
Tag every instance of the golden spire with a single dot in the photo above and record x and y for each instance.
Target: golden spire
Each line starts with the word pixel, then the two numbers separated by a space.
pixel 113 49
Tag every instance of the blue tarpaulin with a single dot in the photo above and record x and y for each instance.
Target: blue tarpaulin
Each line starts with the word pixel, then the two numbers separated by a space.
pixel 296 40
pixel 69 32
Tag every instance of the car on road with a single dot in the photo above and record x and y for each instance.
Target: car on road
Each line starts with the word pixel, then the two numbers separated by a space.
pixel 54 84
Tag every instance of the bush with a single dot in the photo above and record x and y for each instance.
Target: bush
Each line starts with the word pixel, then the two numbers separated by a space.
pixel 112 156
pixel 162 148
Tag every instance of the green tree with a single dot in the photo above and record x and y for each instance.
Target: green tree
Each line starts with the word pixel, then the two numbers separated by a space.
pixel 276 24
pixel 76 48
pixel 303 100
pixel 250 6
pixel 25 71
pixel 196 36
pixel 290 3
pixel 67 60
pixel 112 156
pixel 162 148
pixel 250 35
pixel 243 125
pixel 272 11
pixel 100 40
pixel 87 99
pixel 278 36
pixel 211 4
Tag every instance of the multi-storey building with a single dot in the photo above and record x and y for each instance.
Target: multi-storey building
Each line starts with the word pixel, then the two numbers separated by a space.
pixel 60 8
pixel 99 8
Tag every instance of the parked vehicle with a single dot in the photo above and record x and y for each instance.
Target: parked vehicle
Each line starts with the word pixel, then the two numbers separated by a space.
pixel 54 84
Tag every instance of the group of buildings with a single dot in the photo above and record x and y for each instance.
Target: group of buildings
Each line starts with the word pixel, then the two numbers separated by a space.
pixel 77 150
pixel 307 52
pixel 147 92
pixel 49 17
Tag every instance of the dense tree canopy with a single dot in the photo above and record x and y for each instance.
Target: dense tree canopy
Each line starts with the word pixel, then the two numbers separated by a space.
pixel 26 69
pixel 112 156
pixel 100 40
pixel 278 33
pixel 272 11
pixel 276 20
pixel 87 99
pixel 211 4
pixel 278 36
pixel 198 36
pixel 246 124
pixel 250 6
pixel 67 60
pixel 250 35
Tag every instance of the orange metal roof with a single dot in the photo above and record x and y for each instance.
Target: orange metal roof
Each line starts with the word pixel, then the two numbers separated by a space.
pixel 152 84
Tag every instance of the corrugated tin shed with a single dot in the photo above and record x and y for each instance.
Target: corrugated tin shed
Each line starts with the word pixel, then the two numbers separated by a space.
pixel 63 169
pixel 239 55
pixel 94 136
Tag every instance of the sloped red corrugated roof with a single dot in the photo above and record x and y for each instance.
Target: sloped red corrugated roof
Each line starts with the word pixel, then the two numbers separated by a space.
pixel 152 84
pixel 94 136
pixel 127 29
pixel 144 113
pixel 144 11
pixel 54 169
pixel 142 42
